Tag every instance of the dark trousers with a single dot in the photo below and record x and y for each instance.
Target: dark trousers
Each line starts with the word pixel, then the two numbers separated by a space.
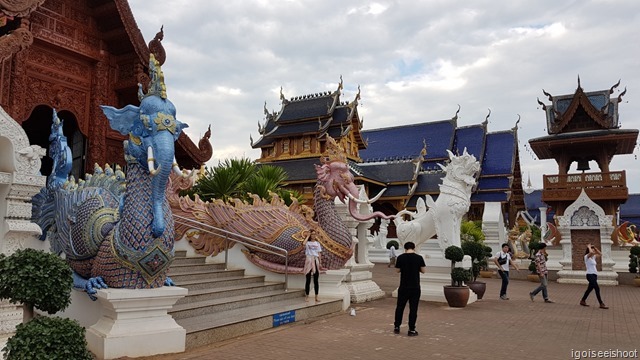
pixel 413 297
pixel 505 281
pixel 593 285
pixel 307 283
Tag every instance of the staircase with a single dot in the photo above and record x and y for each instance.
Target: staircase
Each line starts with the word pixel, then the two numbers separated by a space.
pixel 224 304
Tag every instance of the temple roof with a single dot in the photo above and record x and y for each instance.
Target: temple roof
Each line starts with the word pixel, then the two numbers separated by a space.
pixel 407 141
pixel 621 141
pixel 630 210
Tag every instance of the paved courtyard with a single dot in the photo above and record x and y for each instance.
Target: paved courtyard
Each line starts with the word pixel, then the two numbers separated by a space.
pixel 487 329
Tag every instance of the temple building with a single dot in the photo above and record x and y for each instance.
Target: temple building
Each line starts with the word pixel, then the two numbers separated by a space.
pixel 73 56
pixel 403 160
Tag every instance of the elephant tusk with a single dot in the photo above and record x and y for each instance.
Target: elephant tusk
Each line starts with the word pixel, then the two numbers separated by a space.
pixel 370 201
pixel 151 161
pixel 375 198
pixel 177 170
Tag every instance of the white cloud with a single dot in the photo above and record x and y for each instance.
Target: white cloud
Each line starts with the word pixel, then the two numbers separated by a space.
pixel 415 62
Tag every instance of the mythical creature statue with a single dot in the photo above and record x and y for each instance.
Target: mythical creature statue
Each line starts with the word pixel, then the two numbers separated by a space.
pixel 276 224
pixel 115 232
pixel 519 242
pixel 625 234
pixel 445 214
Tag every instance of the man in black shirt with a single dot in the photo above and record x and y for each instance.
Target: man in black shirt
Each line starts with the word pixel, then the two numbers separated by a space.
pixel 409 265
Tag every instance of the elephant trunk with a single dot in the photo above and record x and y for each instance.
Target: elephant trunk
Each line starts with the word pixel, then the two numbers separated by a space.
pixel 164 155
pixel 352 190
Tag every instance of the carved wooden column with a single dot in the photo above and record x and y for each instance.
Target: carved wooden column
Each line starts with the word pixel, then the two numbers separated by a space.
pixel 99 96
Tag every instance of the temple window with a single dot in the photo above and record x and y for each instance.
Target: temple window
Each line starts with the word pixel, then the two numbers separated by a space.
pixel 306 144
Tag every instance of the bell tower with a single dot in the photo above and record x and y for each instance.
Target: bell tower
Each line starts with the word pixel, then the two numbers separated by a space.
pixel 583 127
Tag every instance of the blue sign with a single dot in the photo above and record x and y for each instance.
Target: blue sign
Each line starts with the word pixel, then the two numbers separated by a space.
pixel 284 318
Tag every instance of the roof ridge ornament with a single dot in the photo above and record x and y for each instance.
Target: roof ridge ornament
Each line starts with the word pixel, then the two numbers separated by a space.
pixel 622 94
pixel 333 152
pixel 455 117
pixel 489 114
pixel 547 95
pixel 614 86
pixel 156 84
pixel 156 48
pixel 515 128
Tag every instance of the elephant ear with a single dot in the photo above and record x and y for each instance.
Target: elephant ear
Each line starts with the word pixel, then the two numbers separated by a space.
pixel 179 126
pixel 121 120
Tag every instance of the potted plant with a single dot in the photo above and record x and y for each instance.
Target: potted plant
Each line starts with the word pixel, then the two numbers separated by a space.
pixel 634 262
pixel 485 272
pixel 477 253
pixel 457 294
pixel 41 280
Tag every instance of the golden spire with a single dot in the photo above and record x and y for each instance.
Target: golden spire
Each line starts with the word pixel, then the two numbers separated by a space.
pixel 333 152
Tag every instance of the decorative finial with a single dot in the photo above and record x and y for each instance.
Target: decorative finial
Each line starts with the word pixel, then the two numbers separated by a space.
pixel 340 84
pixel 156 84
pixel 622 94
pixel 455 117
pixel 614 86
pixel 544 107
pixel 547 95
pixel 515 128
pixel 156 48
pixel 423 152
pixel 489 114
pixel 333 152
pixel 579 86
pixel 282 95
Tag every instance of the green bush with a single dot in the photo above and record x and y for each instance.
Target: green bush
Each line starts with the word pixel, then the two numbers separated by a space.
pixel 393 243
pixel 634 254
pixel 36 278
pixel 477 252
pixel 459 276
pixel 453 253
pixel 48 338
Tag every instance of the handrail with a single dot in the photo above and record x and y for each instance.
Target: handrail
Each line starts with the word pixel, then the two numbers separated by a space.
pixel 249 242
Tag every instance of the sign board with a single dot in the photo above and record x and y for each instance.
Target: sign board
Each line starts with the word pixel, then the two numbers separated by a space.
pixel 284 318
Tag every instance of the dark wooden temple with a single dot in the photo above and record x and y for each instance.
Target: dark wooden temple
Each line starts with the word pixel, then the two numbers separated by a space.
pixel 72 56
pixel 583 128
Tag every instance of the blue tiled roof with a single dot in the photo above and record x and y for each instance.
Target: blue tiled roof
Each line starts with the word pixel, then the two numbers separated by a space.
pixel 470 137
pixel 494 183
pixel 296 128
pixel 631 208
pixel 500 196
pixel 499 153
pixel 395 190
pixel 533 202
pixel 340 115
pixel 635 220
pixel 304 109
pixel 406 142
pixel 429 182
pixel 390 172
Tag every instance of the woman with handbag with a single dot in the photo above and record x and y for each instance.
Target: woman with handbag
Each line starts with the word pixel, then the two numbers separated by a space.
pixel 503 262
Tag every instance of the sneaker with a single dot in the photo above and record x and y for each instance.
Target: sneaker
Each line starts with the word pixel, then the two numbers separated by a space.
pixel 412 333
pixel 531 296
pixel 504 297
pixel 396 329
pixel 548 301
pixel 603 306
pixel 583 303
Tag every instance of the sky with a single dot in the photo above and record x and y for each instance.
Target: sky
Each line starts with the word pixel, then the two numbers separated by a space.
pixel 414 61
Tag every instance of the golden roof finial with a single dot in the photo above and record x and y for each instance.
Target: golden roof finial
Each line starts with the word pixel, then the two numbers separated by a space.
pixel 333 152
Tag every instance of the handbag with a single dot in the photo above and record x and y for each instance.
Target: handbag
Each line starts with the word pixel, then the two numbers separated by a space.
pixel 502 260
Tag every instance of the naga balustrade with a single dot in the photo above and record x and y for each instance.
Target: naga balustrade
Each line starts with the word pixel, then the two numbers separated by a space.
pixel 246 241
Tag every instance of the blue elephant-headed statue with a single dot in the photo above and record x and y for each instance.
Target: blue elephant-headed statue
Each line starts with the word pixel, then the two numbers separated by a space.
pixel 115 230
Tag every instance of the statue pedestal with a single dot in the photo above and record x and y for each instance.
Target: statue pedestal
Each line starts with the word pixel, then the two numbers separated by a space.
pixel 135 323
pixel 331 284
pixel 380 255
pixel 360 284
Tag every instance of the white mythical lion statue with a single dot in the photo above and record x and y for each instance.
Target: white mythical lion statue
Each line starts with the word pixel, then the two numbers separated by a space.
pixel 445 214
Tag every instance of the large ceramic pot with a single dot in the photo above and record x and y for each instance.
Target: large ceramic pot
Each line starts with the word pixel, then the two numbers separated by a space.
pixel 487 274
pixel 637 281
pixel 457 296
pixel 478 287
pixel 533 278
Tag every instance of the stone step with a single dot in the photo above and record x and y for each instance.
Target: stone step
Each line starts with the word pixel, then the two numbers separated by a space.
pixel 212 328
pixel 214 306
pixel 234 290
pixel 180 260
pixel 198 284
pixel 204 274
pixel 182 268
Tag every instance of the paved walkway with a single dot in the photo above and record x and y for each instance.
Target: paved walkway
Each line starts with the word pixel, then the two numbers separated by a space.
pixel 487 329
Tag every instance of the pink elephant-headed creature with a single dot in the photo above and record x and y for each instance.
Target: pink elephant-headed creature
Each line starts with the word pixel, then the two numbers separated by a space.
pixel 280 225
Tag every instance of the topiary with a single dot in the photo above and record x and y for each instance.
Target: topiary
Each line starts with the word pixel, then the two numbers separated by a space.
pixel 459 276
pixel 36 279
pixel 48 338
pixel 454 254
pixel 393 243
pixel 634 256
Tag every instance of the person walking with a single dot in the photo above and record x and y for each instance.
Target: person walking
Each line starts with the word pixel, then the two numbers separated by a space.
pixel 503 262
pixel 312 250
pixel 541 267
pixel 393 255
pixel 409 265
pixel 592 275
